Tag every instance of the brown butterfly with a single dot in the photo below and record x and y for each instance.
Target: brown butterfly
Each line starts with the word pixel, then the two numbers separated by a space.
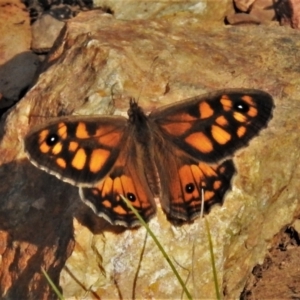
pixel 174 153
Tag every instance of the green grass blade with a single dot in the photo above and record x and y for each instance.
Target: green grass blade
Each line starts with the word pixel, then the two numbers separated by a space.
pixel 159 247
pixel 53 286
pixel 212 257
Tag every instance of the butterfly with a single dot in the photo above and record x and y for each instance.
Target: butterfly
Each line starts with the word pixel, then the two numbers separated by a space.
pixel 178 153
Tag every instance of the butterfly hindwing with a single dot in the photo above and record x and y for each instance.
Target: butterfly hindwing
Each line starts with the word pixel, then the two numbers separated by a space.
pixel 213 126
pixel 127 178
pixel 183 181
pixel 78 150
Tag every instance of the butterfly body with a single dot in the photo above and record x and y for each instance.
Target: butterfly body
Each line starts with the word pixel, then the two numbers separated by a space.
pixel 174 153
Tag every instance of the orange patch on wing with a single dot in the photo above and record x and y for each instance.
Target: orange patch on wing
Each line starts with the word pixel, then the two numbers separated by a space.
pixel 120 210
pixel 240 117
pixel 205 110
pixel 181 117
pixel 104 129
pixel 79 159
pixel 98 159
pixel 62 130
pixel 106 203
pixel 226 102
pixel 44 148
pixel 220 135
pixel 222 121
pixel 217 184
pixel 43 135
pixel 95 191
pixel 57 148
pixel 207 170
pixel 61 162
pixel 81 131
pixel 111 140
pixel 248 99
pixel 222 169
pixel 241 131
pixel 117 186
pixel 208 195
pixel 197 174
pixel 73 146
pixel 177 128
pixel 106 187
pixel 200 141
pixel 252 112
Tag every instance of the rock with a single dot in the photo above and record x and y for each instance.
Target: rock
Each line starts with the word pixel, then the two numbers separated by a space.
pixel 158 62
pixel 206 10
pixel 296 225
pixel 260 11
pixel 242 19
pixel 17 63
pixel 44 32
pixel 60 10
pixel 264 10
pixel 244 5
pixel 14 21
pixel 266 280
pixel 289 13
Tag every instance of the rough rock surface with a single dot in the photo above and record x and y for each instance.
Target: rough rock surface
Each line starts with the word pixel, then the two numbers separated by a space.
pixel 45 31
pixel 211 11
pixel 158 62
pixel 277 277
pixel 17 63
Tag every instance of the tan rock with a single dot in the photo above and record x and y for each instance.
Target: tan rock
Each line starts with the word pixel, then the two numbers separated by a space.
pixel 44 32
pixel 264 10
pixel 17 64
pixel 296 225
pixel 244 5
pixel 210 11
pixel 260 11
pixel 242 19
pixel 157 61
pixel 14 22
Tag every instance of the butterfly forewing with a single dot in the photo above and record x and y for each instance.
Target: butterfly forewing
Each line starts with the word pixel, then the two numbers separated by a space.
pixel 78 150
pixel 211 127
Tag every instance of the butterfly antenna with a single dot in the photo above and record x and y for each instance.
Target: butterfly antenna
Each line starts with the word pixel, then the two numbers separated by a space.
pixel 202 203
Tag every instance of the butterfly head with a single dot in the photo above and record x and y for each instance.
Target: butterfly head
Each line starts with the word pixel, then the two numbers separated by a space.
pixel 136 114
